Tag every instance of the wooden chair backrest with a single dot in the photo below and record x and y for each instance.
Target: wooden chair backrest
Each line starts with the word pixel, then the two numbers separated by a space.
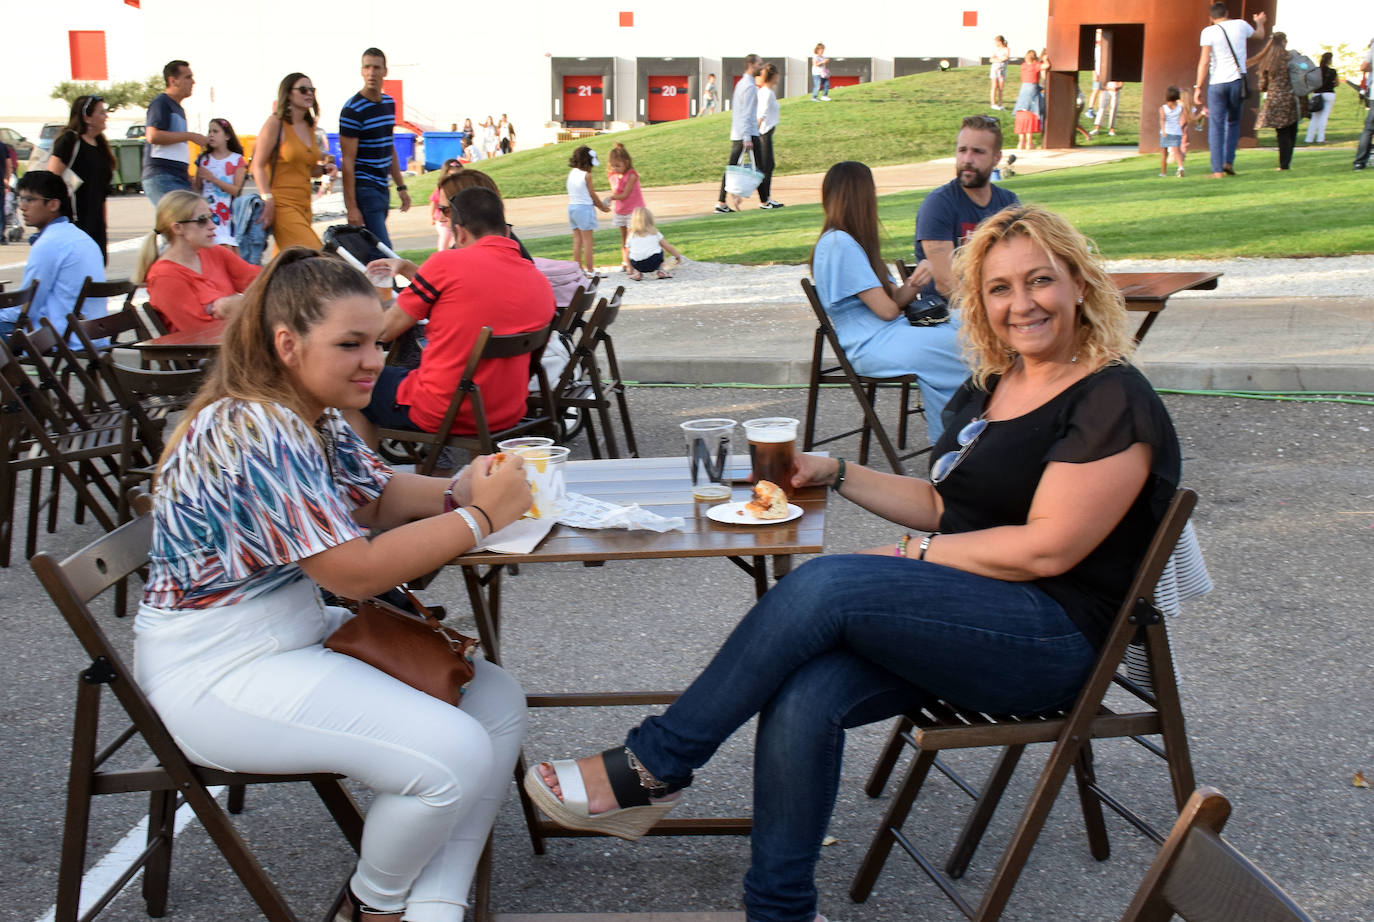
pixel 107 326
pixel 47 352
pixel 21 298
pixel 1201 877
pixel 114 288
pixel 132 386
pixel 488 347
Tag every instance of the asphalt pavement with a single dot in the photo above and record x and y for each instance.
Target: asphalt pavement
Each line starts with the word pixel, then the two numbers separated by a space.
pixel 1274 671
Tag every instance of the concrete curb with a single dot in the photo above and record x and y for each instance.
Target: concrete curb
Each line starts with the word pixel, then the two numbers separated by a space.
pixel 1278 377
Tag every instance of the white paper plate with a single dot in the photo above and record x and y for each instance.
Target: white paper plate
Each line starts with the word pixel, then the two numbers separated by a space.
pixel 735 514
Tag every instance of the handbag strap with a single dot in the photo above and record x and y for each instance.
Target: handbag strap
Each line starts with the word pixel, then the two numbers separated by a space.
pixel 1240 67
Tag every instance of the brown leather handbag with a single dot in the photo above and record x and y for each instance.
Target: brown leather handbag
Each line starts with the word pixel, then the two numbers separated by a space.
pixel 419 651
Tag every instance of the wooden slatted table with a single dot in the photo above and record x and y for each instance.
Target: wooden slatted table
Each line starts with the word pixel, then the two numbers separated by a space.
pixel 663 486
pixel 1150 291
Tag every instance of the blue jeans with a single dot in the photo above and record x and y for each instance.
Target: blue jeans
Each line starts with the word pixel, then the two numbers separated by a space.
pixel 1366 136
pixel 158 182
pixel 374 202
pixel 1223 122
pixel 845 641
pixel 820 86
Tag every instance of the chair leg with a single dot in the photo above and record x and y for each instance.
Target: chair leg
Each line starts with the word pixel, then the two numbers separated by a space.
pixel 983 809
pixel 870 395
pixel 76 826
pixel 882 769
pixel 1028 830
pixel 813 393
pixel 1173 732
pixel 157 873
pixel 236 797
pixel 631 449
pixel 481 897
pixel 35 508
pixel 1093 823
pixel 872 865
pixel 902 417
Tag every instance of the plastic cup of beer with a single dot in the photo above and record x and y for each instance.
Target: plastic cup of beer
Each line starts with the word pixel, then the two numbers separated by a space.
pixel 544 474
pixel 525 441
pixel 773 449
pixel 708 455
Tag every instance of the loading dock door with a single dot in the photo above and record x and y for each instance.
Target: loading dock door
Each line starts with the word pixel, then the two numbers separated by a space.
pixel 669 99
pixel 583 98
pixel 844 79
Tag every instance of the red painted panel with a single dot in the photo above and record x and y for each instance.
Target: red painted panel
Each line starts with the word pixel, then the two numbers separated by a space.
pixel 844 80
pixel 88 55
pixel 396 90
pixel 627 20
pixel 970 18
pixel 583 98
pixel 668 98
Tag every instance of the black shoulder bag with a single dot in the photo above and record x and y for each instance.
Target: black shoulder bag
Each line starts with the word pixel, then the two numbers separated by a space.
pixel 1244 77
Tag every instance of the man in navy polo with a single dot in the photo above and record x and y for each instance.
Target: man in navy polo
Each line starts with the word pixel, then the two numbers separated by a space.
pixel 366 125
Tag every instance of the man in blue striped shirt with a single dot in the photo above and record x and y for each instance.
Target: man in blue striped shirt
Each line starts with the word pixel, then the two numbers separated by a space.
pixel 366 125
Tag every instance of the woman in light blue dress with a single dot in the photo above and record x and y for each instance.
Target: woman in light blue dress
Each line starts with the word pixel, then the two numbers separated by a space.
pixel 865 304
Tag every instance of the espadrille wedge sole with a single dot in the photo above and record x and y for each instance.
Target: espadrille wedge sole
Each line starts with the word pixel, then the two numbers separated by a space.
pixel 571 812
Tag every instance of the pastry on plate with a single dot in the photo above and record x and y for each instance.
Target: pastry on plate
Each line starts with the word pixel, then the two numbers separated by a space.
pixel 769 501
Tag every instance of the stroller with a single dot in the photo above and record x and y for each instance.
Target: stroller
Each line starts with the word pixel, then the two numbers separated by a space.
pixel 358 246
pixel 14 224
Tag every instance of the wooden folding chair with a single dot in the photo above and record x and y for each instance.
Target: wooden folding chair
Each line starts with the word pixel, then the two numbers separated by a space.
pixel 168 777
pixel 942 726
pixel 22 299
pixel 41 428
pixel 1201 877
pixel 103 291
pixel 584 387
pixel 865 391
pixel 425 447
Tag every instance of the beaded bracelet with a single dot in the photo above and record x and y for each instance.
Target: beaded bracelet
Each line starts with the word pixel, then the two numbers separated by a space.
pixel 925 545
pixel 901 545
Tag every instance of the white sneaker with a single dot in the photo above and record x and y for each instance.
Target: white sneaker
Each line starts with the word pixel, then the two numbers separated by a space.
pixel 772 204
pixel 825 99
pixel 998 108
pixel 722 208
pixel 1180 173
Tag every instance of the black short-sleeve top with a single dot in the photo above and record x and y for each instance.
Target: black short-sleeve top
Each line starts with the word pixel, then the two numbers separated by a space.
pixel 1097 417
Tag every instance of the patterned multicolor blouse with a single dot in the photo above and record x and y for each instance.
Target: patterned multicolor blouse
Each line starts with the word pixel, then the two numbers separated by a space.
pixel 250 490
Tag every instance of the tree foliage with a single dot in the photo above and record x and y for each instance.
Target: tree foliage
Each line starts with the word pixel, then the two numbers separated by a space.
pixel 118 95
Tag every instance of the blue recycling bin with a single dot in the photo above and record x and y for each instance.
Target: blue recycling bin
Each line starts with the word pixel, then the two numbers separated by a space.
pixel 441 146
pixel 333 139
pixel 404 142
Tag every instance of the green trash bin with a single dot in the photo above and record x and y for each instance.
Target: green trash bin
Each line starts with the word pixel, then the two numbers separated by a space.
pixel 128 174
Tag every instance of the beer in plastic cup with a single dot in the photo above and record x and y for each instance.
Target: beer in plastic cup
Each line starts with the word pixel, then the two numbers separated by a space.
pixel 544 473
pixel 773 449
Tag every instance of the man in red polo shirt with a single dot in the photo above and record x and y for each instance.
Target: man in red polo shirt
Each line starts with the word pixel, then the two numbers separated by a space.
pixel 484 282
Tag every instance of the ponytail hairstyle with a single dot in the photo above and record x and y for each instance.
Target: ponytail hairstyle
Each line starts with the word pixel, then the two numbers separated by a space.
pixel 581 159
pixel 292 291
pixel 619 159
pixel 231 140
pixel 174 207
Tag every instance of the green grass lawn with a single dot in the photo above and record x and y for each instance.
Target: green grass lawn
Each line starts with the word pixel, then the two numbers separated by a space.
pixel 904 120
pixel 1319 208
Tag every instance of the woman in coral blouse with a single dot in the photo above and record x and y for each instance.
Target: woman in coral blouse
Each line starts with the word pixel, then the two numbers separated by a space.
pixel 191 282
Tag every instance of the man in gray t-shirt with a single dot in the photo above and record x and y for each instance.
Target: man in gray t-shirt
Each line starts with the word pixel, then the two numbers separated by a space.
pixel 168 166
pixel 744 122
pixel 1366 136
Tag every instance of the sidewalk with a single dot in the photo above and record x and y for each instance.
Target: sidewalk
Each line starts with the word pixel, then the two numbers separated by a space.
pixel 1268 344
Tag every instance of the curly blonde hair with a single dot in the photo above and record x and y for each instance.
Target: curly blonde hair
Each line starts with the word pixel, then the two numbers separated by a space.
pixel 1102 335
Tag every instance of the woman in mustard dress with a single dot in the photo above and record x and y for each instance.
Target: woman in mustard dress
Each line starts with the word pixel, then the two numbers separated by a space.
pixel 285 161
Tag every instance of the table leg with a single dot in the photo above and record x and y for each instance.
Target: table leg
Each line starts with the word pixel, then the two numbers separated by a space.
pixel 757 567
pixel 1145 325
pixel 484 593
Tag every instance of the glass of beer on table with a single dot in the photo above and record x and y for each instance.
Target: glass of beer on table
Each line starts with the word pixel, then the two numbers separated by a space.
pixel 772 449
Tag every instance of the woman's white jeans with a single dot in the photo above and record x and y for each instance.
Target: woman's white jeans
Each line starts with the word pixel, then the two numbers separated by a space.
pixel 1316 126
pixel 249 687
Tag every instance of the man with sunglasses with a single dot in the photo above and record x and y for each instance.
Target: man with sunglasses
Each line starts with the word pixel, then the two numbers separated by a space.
pixel 366 125
pixel 168 165
pixel 952 212
pixel 62 257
